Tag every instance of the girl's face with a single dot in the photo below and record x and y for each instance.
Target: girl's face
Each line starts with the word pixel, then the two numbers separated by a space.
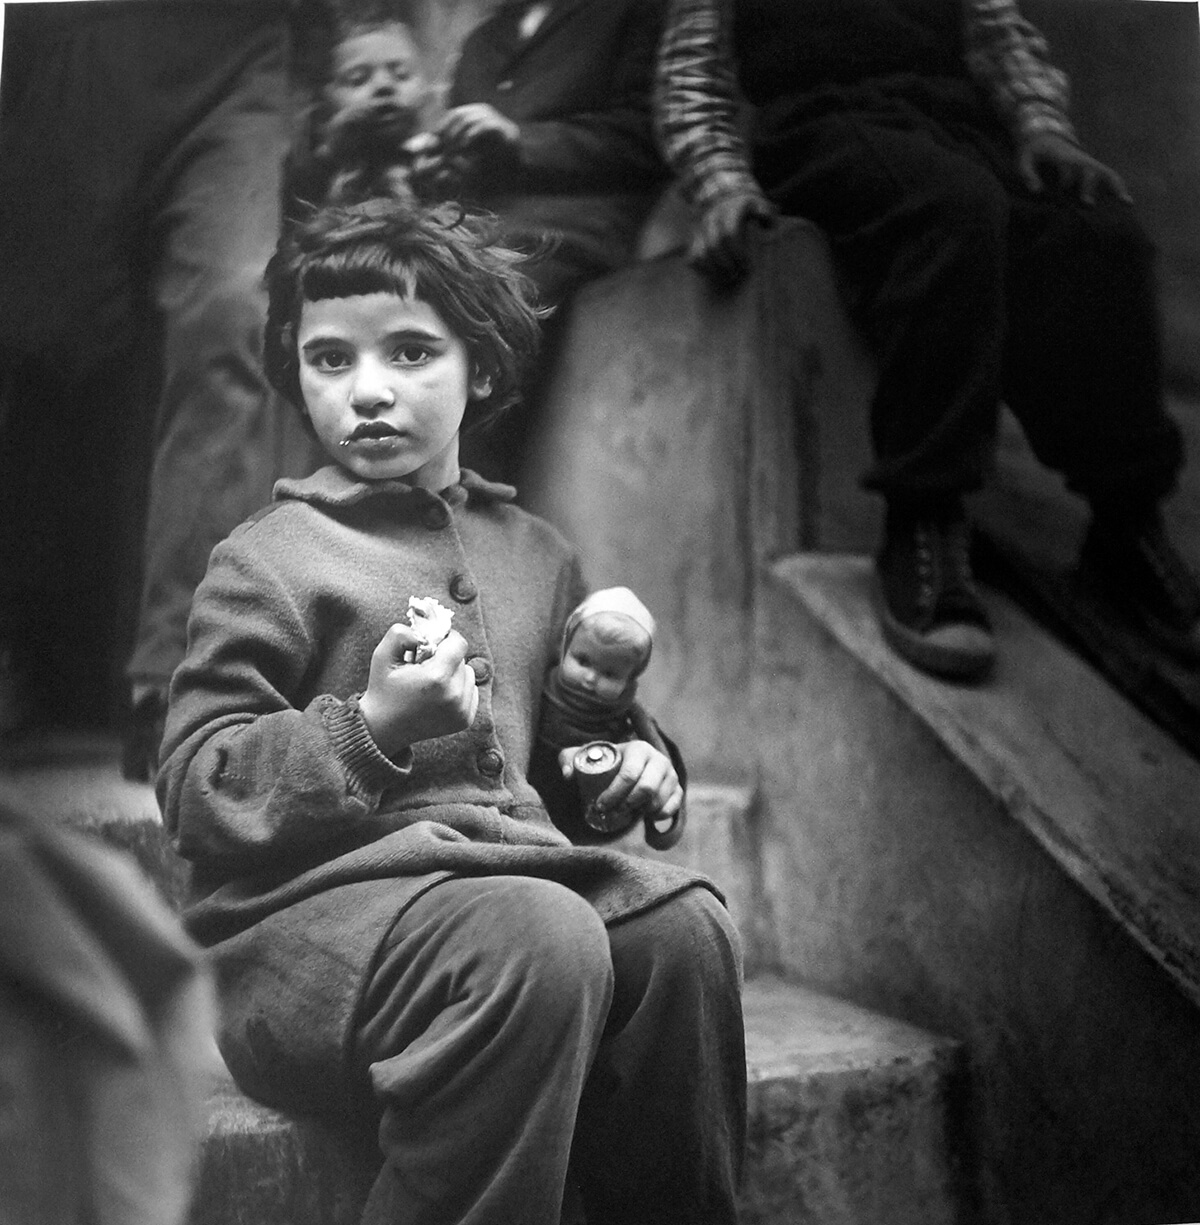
pixel 385 385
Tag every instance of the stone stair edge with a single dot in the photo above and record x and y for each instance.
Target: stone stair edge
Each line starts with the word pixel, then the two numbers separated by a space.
pixel 1092 779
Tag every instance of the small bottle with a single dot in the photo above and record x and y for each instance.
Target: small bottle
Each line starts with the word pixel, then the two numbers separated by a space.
pixel 596 765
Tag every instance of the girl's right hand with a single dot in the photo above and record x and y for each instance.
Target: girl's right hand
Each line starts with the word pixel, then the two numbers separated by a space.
pixel 405 703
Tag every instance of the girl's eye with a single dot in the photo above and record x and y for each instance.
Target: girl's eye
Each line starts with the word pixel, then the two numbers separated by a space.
pixel 411 354
pixel 330 359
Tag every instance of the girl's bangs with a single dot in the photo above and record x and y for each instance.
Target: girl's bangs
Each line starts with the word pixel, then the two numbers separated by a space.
pixel 349 273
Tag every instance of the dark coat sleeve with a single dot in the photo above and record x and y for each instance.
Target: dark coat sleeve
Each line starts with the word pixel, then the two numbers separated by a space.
pixel 582 102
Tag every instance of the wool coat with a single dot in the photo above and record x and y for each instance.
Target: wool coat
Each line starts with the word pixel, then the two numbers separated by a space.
pixel 271 784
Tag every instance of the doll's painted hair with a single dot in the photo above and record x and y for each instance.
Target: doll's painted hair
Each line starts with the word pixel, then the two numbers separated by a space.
pixel 443 256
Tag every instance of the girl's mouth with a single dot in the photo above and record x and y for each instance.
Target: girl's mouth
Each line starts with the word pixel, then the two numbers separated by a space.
pixel 371 431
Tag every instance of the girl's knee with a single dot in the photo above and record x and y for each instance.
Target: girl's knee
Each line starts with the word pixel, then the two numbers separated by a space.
pixel 686 945
pixel 552 944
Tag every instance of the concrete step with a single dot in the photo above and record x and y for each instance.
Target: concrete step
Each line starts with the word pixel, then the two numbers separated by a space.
pixel 1014 864
pixel 1093 780
pixel 848 1126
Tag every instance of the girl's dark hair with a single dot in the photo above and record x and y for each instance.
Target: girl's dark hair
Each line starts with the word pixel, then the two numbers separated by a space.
pixel 444 256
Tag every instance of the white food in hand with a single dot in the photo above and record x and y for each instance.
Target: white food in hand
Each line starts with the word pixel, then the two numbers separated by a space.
pixel 430 621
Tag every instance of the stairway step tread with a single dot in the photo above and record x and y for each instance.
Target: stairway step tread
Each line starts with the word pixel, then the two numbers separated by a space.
pixel 847 1115
pixel 795 1031
pixel 791 1032
pixel 1108 794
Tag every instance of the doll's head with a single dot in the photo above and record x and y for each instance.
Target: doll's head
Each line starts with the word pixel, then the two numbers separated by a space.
pixel 437 262
pixel 607 644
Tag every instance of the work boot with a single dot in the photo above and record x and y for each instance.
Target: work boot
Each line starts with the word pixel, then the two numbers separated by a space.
pixel 1130 561
pixel 929 609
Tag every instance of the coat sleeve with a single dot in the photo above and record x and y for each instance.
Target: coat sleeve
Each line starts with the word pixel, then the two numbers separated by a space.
pixel 698 106
pixel 247 776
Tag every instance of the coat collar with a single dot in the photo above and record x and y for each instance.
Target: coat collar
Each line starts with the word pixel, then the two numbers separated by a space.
pixel 560 10
pixel 332 487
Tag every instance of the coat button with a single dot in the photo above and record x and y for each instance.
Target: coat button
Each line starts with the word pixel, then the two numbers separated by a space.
pixel 504 86
pixel 436 517
pixel 463 589
pixel 481 668
pixel 491 763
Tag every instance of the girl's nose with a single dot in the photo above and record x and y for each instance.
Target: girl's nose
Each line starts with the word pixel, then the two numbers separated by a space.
pixel 371 390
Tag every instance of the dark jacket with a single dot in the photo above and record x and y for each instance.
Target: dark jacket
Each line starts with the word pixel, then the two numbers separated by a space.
pixel 580 88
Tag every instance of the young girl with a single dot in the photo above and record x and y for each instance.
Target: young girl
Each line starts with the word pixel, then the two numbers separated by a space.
pixel 402 935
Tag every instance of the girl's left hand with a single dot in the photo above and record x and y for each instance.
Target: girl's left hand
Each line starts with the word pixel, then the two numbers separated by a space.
pixel 646 784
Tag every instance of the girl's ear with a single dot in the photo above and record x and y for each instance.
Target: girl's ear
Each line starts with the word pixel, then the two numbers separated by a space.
pixel 480 386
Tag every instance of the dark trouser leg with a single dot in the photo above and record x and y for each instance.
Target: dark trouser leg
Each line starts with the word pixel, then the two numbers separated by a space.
pixel 1084 379
pixel 662 1122
pixel 477 1029
pixel 222 436
pixel 1083 372
pixel 487 1014
pixel 918 228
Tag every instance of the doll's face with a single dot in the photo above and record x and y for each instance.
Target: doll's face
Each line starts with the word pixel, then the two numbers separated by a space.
pixel 605 653
pixel 377 78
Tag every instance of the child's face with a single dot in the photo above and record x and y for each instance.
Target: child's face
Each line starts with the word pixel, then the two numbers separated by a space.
pixel 602 668
pixel 377 76
pixel 385 385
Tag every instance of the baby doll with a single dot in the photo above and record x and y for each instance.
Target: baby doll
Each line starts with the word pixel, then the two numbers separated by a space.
pixel 591 693
pixel 606 647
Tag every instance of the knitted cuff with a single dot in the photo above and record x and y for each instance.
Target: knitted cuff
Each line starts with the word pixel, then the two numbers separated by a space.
pixel 368 771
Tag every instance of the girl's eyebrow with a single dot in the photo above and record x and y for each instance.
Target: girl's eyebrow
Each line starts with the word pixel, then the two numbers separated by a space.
pixel 415 333
pixel 317 341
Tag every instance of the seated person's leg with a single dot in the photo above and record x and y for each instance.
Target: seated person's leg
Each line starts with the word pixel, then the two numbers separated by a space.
pixel 1084 377
pixel 917 229
pixel 221 432
pixel 662 1122
pixel 477 1030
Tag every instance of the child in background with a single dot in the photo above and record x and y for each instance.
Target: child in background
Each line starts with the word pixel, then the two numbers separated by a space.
pixel 402 934
pixel 364 138
pixel 591 693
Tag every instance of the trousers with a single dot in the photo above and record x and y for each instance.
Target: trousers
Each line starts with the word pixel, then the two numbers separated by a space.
pixel 139 202
pixel 514 1042
pixel 972 290
pixel 516 1059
